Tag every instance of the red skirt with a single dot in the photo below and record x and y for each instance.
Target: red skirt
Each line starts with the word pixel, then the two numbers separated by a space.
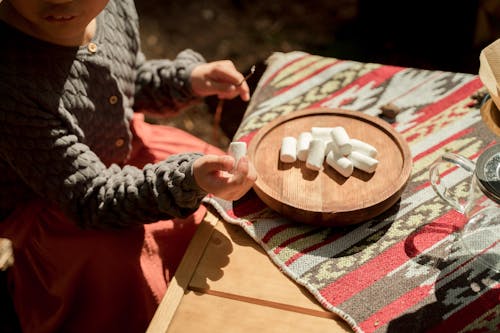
pixel 66 279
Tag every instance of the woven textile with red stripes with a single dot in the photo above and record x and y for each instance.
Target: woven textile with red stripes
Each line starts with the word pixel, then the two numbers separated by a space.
pixel 399 271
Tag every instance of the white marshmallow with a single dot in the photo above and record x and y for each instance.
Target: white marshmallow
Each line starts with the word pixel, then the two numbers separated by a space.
pixel 237 149
pixel 288 151
pixel 363 147
pixel 316 155
pixel 322 133
pixel 331 146
pixel 363 162
pixel 340 163
pixel 341 140
pixel 303 145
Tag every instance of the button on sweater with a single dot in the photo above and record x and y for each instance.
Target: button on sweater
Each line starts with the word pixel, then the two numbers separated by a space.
pixel 65 117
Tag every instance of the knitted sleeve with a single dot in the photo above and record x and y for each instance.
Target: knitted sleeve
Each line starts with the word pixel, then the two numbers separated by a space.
pixel 163 86
pixel 56 165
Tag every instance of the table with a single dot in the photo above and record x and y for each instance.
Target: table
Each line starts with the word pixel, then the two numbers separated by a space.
pixel 258 271
pixel 214 279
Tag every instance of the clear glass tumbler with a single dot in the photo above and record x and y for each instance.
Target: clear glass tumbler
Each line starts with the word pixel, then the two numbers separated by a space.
pixel 480 206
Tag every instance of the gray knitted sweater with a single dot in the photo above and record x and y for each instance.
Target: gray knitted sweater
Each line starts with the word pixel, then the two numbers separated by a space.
pixel 64 125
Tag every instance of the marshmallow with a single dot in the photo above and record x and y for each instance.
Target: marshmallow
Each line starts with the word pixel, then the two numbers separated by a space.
pixel 303 145
pixel 316 155
pixel 288 151
pixel 322 133
pixel 237 149
pixel 340 163
pixel 333 144
pixel 363 162
pixel 341 140
pixel 332 147
pixel 363 147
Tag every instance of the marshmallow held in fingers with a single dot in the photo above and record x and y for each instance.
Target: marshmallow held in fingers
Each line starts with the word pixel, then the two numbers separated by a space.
pixel 303 145
pixel 237 149
pixel 288 151
pixel 240 181
pixel 340 163
pixel 363 162
pixel 316 155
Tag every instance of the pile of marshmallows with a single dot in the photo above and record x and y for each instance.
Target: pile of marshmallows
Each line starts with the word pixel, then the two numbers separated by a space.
pixel 341 152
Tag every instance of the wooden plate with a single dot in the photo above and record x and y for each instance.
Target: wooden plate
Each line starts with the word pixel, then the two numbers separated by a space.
pixel 491 116
pixel 325 197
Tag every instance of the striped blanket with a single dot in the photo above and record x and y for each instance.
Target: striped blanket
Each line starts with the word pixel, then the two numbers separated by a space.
pixel 399 271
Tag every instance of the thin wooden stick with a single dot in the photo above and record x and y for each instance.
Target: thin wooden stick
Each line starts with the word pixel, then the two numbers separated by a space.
pixel 217 117
pixel 220 107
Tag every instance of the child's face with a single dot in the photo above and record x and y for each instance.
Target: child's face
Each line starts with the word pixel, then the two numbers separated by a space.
pixel 62 22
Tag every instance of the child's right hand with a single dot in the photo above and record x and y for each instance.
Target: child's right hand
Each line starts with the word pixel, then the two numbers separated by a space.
pixel 215 174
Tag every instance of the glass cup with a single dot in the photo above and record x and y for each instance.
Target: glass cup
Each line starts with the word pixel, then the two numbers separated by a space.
pixel 480 205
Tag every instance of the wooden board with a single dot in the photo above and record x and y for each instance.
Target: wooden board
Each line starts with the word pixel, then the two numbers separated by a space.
pixel 224 269
pixel 203 313
pixel 177 287
pixel 326 197
pixel 491 116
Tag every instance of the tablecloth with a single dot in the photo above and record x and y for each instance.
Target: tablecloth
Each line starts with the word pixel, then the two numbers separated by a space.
pixel 397 272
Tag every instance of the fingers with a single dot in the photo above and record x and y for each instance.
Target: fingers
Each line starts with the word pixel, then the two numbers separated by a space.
pixel 219 175
pixel 230 91
pixel 219 78
pixel 244 91
pixel 225 71
pixel 244 171
pixel 242 179
pixel 218 163
pixel 228 82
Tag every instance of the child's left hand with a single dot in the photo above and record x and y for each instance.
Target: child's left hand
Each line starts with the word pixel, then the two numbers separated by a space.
pixel 219 78
pixel 220 176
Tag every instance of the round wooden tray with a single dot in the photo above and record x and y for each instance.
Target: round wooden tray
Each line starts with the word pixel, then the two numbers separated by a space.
pixel 491 116
pixel 325 197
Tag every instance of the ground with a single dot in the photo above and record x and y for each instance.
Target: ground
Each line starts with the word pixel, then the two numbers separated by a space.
pixel 248 32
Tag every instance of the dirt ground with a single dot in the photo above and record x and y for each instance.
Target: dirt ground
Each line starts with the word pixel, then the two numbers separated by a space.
pixel 247 32
pixel 243 31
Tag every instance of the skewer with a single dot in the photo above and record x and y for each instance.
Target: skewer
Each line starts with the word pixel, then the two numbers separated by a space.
pixel 220 106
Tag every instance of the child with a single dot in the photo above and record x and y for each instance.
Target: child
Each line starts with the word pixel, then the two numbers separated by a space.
pixel 100 205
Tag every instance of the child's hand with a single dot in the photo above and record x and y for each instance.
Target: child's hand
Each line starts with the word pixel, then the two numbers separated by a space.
pixel 213 174
pixel 219 78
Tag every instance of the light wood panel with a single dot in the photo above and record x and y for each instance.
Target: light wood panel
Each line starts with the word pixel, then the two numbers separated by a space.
pixel 226 283
pixel 202 313
pixel 235 264
pixel 177 287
